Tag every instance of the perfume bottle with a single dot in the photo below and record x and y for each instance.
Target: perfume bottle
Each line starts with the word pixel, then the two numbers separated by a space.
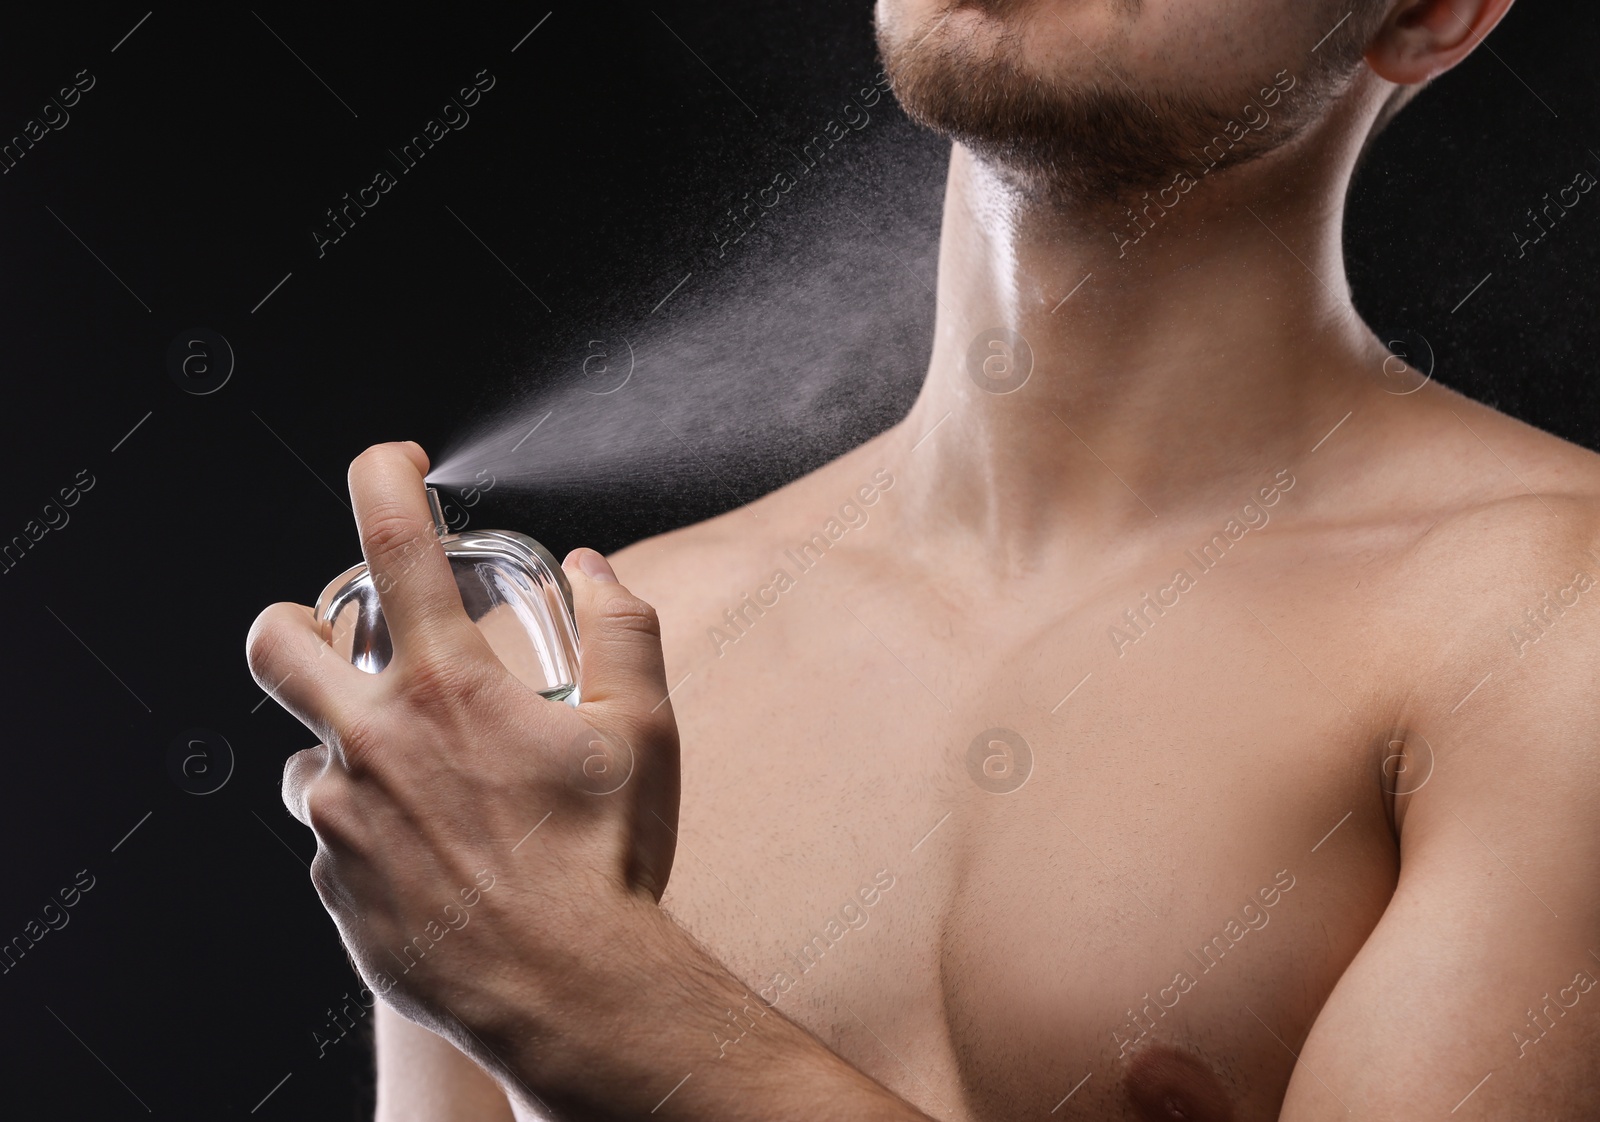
pixel 511 587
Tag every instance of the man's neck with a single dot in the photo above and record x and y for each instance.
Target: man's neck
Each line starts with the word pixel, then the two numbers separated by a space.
pixel 1168 374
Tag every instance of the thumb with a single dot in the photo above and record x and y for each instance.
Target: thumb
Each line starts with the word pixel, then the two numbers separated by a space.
pixel 622 667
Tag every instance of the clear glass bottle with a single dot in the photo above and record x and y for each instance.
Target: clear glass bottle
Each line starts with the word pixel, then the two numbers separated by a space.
pixel 510 585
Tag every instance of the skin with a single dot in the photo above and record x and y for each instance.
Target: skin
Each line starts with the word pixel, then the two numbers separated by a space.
pixel 1413 895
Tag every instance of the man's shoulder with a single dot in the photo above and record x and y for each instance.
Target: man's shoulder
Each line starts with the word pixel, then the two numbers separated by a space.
pixel 1513 498
pixel 709 561
pixel 1501 582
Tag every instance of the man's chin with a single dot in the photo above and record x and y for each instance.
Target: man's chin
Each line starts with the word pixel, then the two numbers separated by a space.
pixel 1088 143
pixel 1075 139
pixel 996 8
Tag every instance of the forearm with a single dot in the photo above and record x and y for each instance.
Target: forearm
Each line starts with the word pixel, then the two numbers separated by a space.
pixel 669 1032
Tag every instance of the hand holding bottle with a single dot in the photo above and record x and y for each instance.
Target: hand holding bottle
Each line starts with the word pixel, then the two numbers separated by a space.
pixel 476 841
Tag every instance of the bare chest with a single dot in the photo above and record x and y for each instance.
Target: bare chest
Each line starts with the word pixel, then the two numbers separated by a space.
pixel 1019 869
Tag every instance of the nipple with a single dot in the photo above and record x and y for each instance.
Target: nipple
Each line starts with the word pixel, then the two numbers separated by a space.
pixel 1166 1084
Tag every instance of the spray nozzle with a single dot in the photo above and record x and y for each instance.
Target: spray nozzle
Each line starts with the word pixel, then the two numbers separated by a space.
pixel 437 509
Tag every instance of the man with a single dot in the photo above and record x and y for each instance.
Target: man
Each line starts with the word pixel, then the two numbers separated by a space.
pixel 1187 712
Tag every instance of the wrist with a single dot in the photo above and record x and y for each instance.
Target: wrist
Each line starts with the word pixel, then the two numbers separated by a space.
pixel 558 1016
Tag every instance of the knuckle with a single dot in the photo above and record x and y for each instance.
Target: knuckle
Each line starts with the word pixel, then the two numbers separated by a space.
pixel 265 641
pixel 328 810
pixel 361 738
pixel 433 679
pixel 390 529
pixel 299 770
pixel 323 877
pixel 630 614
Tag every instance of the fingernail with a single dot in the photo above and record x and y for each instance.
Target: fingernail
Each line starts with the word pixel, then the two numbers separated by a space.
pixel 596 567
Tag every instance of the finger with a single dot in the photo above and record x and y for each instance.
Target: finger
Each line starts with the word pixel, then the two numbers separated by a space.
pixel 415 585
pixel 621 660
pixel 300 771
pixel 289 660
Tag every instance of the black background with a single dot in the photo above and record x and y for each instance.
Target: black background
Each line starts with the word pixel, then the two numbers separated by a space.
pixel 596 170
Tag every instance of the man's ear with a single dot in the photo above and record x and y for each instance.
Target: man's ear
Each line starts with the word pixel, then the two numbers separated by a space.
pixel 1421 39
